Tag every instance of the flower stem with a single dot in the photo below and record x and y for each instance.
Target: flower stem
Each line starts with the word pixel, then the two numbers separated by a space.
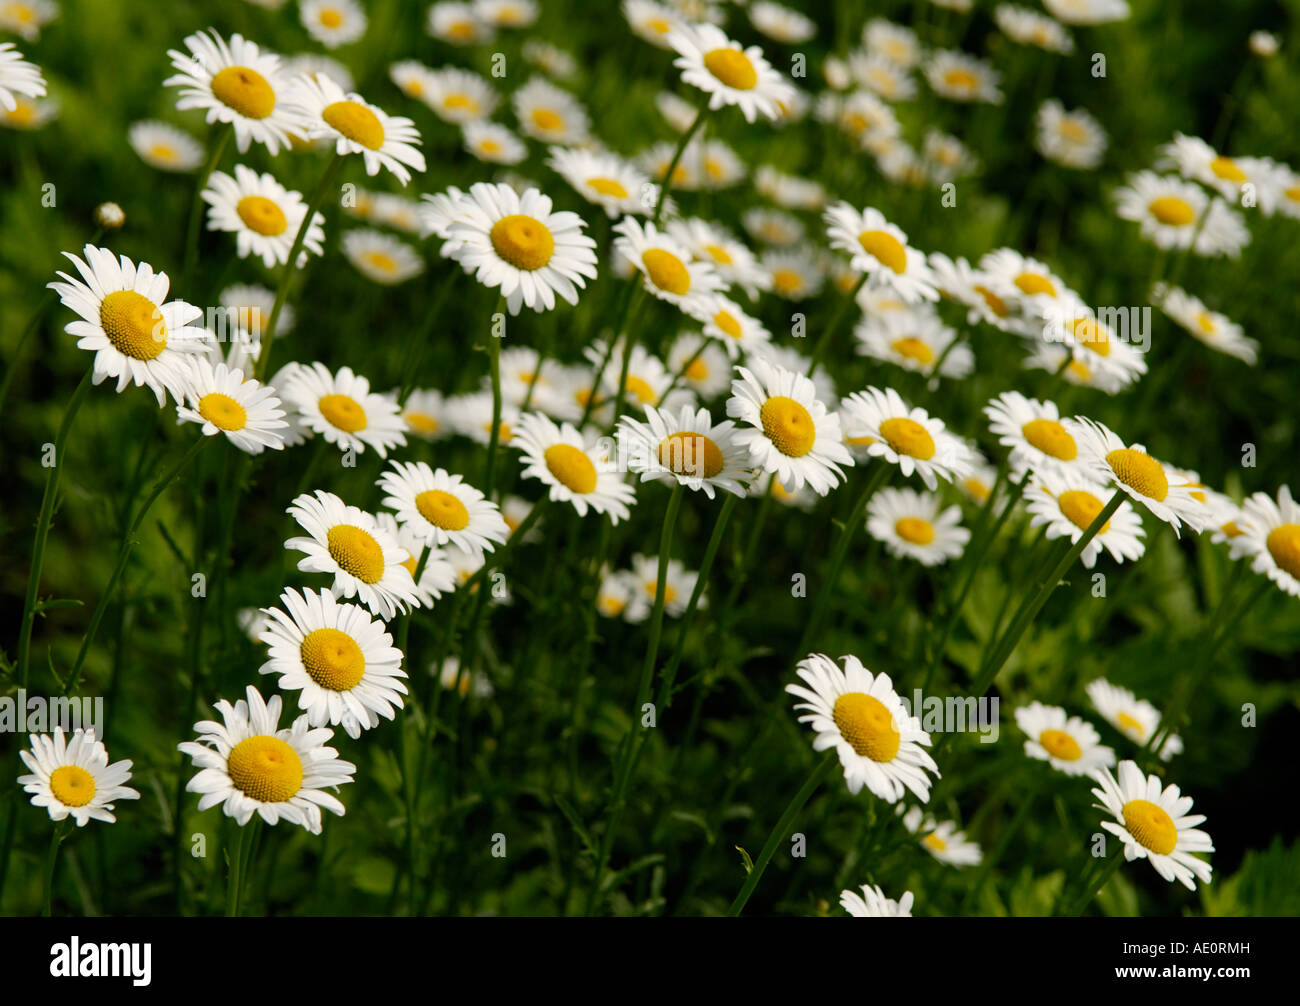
pixel 824 339
pixel 677 156
pixel 51 859
pixel 1090 889
pixel 196 205
pixel 240 859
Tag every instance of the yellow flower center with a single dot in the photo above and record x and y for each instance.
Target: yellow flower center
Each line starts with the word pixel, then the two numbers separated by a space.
pixel 1091 335
pixel 421 422
pixel 640 389
pixel 261 215
pixel 933 842
pixel 996 304
pixel 1081 508
pixel 690 454
pixel 1072 130
pixel 867 725
pixel 1151 826
pixel 667 271
pixel 163 152
pixel 1079 371
pixel 356 122
pixel 442 509
pixel 19 12
pixel 697 370
pixel 133 324
pixel 571 468
pixel 265 768
pixel 1283 544
pixel 611 606
pixel 245 90
pixel 726 321
pixel 72 785
pixel 333 659
pixel 356 552
pixel 908 437
pixel 223 412
pixel 1172 211
pixel 1139 471
pixel 462 30
pixel 1051 438
pixel 547 120
pixel 961 80
pixel 1227 169
pixel 1205 322
pixel 978 490
pixel 1030 283
pixel 1060 745
pixel 1131 725
pixel 916 530
pixel 659 26
pixel 463 101
pixel 732 67
pixel 489 147
pixel 608 187
pixel 343 412
pixel 886 249
pixel 718 254
pixel 1231 530
pixel 787 281
pixel 523 241
pixel 788 425
pixel 914 349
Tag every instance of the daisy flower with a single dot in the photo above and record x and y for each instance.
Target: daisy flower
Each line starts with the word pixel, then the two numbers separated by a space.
pixel 719 165
pixel 781 24
pixel 342 408
pixel 795 272
pixel 882 76
pixel 687 448
pixel 573 469
pixel 726 321
pixel 28 17
pixel 911 526
pixel 457 23
pixel 442 509
pixel 491 142
pixel 1039 441
pixel 439 576
pixel 1068 743
pixel 426 415
pixel 1271 535
pixel 415 80
pixel 550 59
pixel 550 114
pixel 1072 139
pixel 247 765
pixel 958 76
pixel 703 366
pixel 471 415
pixel 859 714
pixel 790 191
pixel 774 227
pixel 365 560
pixel 872 903
pixel 30 113
pixel 727 73
pixel 677 111
pixel 894 42
pixel 670 272
pixel 137 335
pixel 222 401
pixel 246 309
pixel 17 77
pixel 462 681
pixel 333 23
pixel 1025 284
pixel 507 13
pixel 907 437
pixel 341 661
pixel 1027 27
pixel 651 21
pixel 1137 473
pixel 239 83
pixel 1154 824
pixel 1210 327
pixel 1073 323
pixel 1051 357
pixel 263 215
pixel 74 777
pixel 1166 207
pixel 164 147
pixel 735 263
pixel 615 185
pixel 792 434
pixel 519 245
pixel 942 840
pixel 880 250
pixel 1088 11
pixel 357 127
pixel 1196 160
pixel 914 340
pixel 310 64
pixel 946 157
pixel 458 96
pixel 1137 719
pixel 380 257
pixel 643 579
pixel 614 593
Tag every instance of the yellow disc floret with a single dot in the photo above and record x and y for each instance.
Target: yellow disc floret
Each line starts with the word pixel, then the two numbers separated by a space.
pixel 265 768
pixel 867 725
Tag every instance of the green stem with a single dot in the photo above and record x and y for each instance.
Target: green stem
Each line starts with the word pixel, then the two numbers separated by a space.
pixel 824 339
pixel 51 859
pixel 241 856
pixel 416 347
pixel 196 204
pixel 782 829
pixel 677 156
pixel 1091 888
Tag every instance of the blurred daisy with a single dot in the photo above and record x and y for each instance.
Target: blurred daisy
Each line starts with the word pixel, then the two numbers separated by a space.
pixel 795 272
pixel 872 903
pixel 1023 283
pixel 425 415
pixel 791 433
pixel 357 127
pixel 341 661
pixel 573 469
pixel 643 578
pixel 1068 743
pixel 312 63
pixel 791 191
pixel 458 96
pixel 1073 139
pixel 860 715
pixel 1271 535
pixel 907 437
pixel 550 114
pixel 519 245
pixel 1088 11
pixel 774 227
pixel 491 142
pixel 457 23
pixel 29 113
pixel 703 365
pixel 946 157
pixel 507 13
pixel 462 681
pixel 1210 327
pixel 164 147
pixel 441 508
pixel 1196 160
pixel 136 334
pixel 342 408
pixel 27 17
pixel 614 593
pixel 238 83
pixel 942 840
pixel 550 59
pixel 726 321
pixel 1263 44
pixel 1154 824
pixel 380 257
pixel 263 215
pixel 1051 357
pixel 977 486
pixel 781 24
pixel 248 766
pixel 914 340
pixel 1135 718
pixel 677 111
pixel 651 21
pixel 472 416
pixel 415 80
pixel 719 167
pixel 1166 207
pixel 880 250
pixel 346 542
pixel 958 76
pixel 727 73
pixel 74 778
pixel 248 308
pixel 222 401
pixel 670 273
pixel 685 448
pixel 965 284
pixel 1033 430
pixel 882 76
pixel 911 526
pixel 333 23
pixel 615 185
pixel 734 262
pixel 894 42
pixel 1027 27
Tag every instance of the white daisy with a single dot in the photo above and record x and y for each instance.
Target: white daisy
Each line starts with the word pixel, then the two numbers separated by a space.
pixel 426 415
pixel 471 415
pixel 1167 208
pixel 439 575
pixel 1073 139
pixel 907 437
pixel 1033 430
pixel 312 63
pixel 914 340
pixel 959 76
pixel 941 839
pixel 643 580
pixel 791 191
pixel 735 263
pixel 1137 719
pixel 728 73
pixel 873 903
pixel 28 17
pixel 1051 357
pixel 615 185
pixel 380 257
pixel 880 250
pixel 492 142
pixel 342 408
pixel 574 469
pixel 614 593
pixel 458 96
pixel 781 24
pixel 1068 743
pixel 415 80
pixel 773 227
pixel 670 272
pixel 795 272
pixel 74 778
pixel 677 111
pixel 222 401
pixel 911 526
pixel 1212 328
pixel 164 147
pixel 1088 11
pixel 507 13
pixel 441 508
pixel 1028 27
pixel 457 23
pixel 248 766
pixel 1154 824
pixel 894 42
pixel 263 215
pixel 463 681
pixel 701 364
pixel 357 127
pixel 726 321
pixel 882 76
pixel 136 334
pixel 550 59
pixel 859 714
pixel 651 21
pixel 1270 533
pixel 333 23
pixel 550 114
pixel 687 448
